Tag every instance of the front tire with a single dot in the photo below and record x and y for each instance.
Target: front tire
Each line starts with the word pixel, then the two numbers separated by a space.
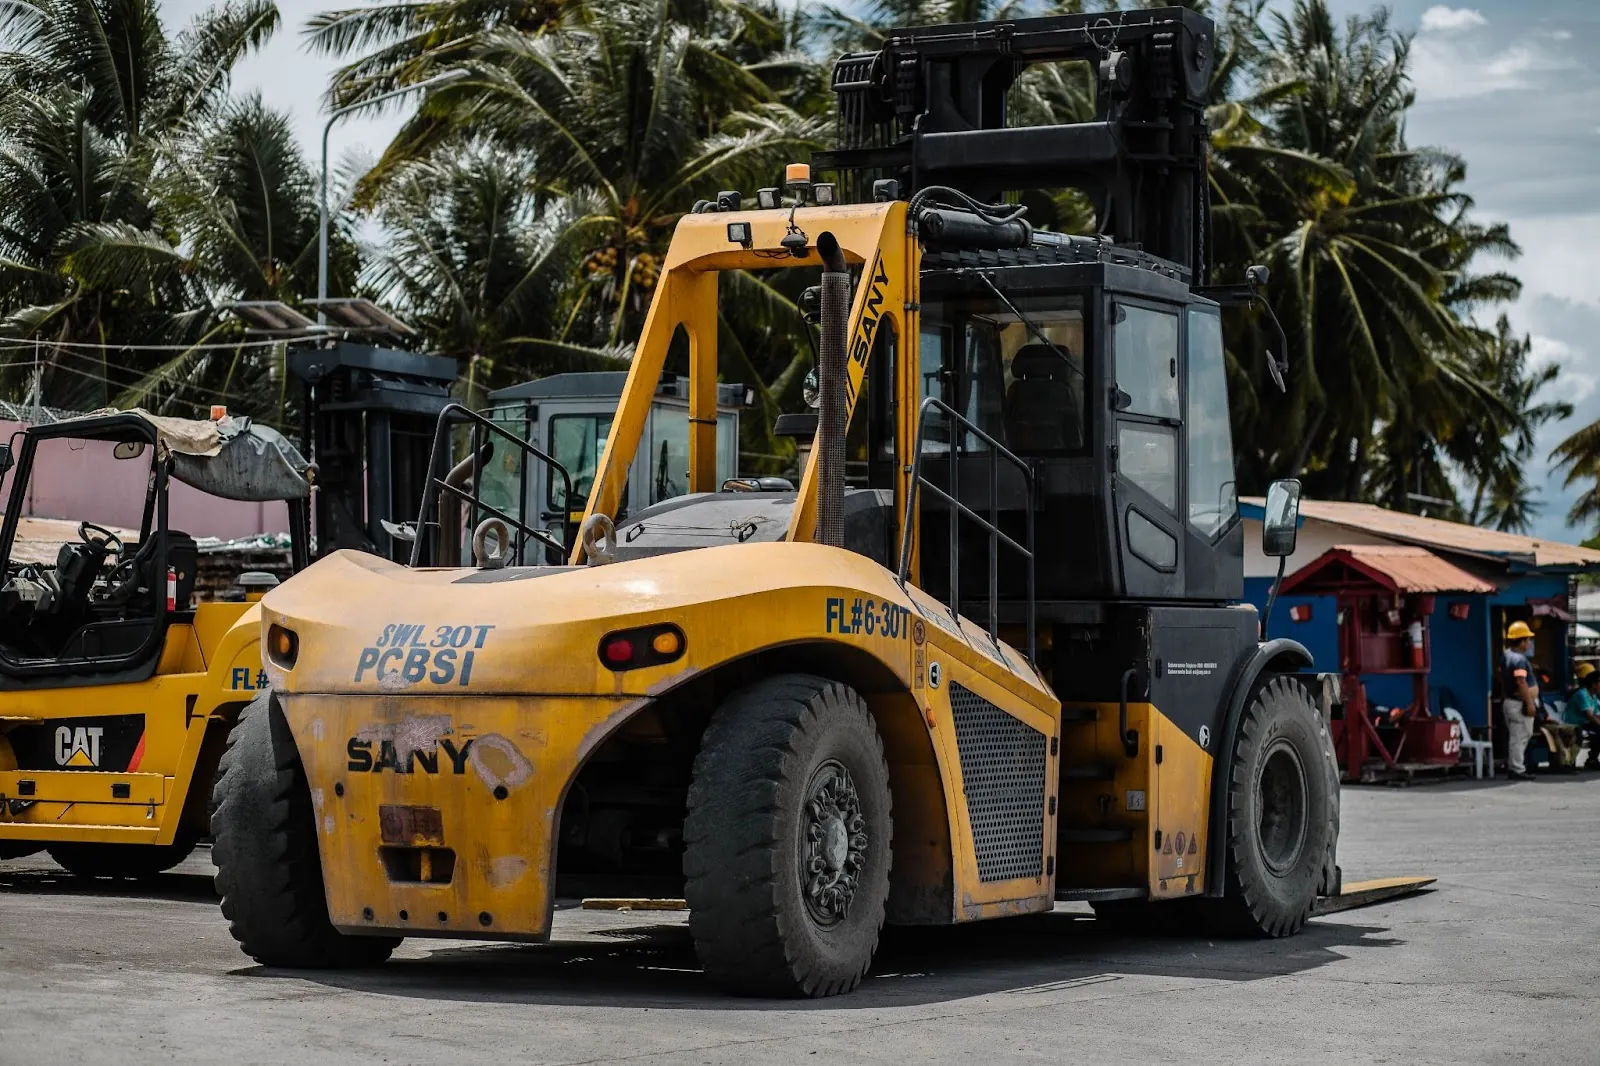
pixel 788 840
pixel 1283 814
pixel 269 872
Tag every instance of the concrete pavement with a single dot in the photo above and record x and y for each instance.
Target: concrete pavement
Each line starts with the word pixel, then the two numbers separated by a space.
pixel 1499 964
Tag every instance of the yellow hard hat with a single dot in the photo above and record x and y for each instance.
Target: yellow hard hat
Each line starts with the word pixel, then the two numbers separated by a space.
pixel 1519 631
pixel 1584 670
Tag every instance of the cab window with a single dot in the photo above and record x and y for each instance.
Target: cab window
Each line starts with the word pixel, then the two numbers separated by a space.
pixel 1213 502
pixel 576 442
pixel 1145 344
pixel 503 472
pixel 669 454
pixel 1020 382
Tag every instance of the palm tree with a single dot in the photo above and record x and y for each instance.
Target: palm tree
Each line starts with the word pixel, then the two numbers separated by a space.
pixel 479 266
pixel 92 97
pixel 1495 453
pixel 618 107
pixel 1369 244
pixel 1579 456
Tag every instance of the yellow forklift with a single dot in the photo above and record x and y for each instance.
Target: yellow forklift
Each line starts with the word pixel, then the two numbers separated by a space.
pixel 1000 665
pixel 116 688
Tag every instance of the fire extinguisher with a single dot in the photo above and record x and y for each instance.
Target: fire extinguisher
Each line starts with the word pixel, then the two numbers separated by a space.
pixel 172 588
pixel 1414 638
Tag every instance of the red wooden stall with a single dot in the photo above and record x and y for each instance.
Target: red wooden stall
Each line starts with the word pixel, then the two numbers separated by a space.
pixel 1385 595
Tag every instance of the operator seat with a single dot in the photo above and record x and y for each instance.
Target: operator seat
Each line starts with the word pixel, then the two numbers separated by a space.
pixel 1044 408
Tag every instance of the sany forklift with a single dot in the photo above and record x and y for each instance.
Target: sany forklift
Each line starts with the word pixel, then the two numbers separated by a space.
pixel 117 691
pixel 1007 670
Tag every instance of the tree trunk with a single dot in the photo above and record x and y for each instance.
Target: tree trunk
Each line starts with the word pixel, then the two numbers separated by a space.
pixel 1303 452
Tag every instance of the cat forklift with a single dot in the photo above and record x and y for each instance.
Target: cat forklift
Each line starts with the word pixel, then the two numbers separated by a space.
pixel 1006 670
pixel 116 689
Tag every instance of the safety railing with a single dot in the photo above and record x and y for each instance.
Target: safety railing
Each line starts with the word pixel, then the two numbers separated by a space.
pixel 454 415
pixel 960 427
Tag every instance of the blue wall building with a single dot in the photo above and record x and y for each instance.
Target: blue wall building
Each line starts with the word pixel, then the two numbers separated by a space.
pixel 1532 577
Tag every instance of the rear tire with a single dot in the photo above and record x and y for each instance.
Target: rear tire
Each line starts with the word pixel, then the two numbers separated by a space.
pixel 788 840
pixel 1283 814
pixel 123 861
pixel 269 873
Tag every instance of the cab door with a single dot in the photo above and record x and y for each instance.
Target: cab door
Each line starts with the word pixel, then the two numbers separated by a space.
pixel 1147 444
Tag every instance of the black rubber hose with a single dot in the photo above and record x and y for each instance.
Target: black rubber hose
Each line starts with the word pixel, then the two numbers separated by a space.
pixel 966 229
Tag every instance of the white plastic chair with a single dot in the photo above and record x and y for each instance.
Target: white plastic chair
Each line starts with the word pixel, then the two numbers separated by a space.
pixel 1482 751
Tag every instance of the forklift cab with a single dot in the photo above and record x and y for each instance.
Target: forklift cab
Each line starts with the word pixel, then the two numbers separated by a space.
pixel 569 417
pixel 1080 368
pixel 84 603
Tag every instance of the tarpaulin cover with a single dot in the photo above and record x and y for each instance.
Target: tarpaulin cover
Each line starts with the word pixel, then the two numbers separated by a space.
pixel 232 458
pixel 249 462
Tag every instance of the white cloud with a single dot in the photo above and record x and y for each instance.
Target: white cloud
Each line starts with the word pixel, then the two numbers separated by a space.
pixel 1453 70
pixel 1558 255
pixel 1574 386
pixel 1442 19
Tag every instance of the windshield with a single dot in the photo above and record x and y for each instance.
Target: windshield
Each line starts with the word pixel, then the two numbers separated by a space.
pixel 1016 372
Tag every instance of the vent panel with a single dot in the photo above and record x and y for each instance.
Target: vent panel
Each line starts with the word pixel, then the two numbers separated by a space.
pixel 1003 766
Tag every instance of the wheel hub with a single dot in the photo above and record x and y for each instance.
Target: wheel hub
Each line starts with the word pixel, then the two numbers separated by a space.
pixel 833 844
pixel 1282 803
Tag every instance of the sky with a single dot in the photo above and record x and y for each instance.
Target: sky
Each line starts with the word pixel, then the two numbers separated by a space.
pixel 1512 86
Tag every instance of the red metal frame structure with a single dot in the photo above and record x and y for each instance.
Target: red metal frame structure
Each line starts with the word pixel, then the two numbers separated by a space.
pixel 1385 595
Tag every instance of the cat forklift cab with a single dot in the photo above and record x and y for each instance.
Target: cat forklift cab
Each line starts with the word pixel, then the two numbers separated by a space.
pixel 116 689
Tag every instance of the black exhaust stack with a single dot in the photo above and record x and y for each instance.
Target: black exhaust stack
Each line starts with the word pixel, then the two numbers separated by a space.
pixel 833 414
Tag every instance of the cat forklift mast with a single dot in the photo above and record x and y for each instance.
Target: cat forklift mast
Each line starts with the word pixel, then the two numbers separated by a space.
pixel 1011 662
pixel 116 689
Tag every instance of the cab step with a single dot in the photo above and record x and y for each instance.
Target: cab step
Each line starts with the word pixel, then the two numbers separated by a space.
pixel 1094 836
pixel 1079 714
pixel 1089 771
pixel 1099 895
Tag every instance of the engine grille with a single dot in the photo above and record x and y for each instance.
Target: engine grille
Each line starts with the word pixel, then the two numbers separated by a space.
pixel 1003 768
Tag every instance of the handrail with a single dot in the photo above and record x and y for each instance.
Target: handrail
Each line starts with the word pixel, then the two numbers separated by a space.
pixel 455 414
pixel 997 451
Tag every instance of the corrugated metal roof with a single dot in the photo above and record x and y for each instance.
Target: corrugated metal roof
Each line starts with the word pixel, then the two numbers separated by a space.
pixel 1408 568
pixel 1446 536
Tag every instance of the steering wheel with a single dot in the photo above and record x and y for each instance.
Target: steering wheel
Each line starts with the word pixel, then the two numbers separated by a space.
pixel 107 543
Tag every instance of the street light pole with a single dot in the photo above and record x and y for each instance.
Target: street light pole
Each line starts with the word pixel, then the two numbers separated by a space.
pixel 338 113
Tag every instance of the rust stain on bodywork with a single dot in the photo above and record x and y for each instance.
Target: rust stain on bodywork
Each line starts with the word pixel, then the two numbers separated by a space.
pixel 498 762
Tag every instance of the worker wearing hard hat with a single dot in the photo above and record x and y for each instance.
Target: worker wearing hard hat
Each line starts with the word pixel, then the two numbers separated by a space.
pixel 1521 704
pixel 1583 710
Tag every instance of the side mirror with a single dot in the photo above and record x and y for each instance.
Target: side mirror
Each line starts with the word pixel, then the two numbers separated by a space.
pixel 128 449
pixel 1281 520
pixel 6 461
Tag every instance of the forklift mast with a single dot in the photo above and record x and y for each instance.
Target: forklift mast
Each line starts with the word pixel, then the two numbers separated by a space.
pixel 369 420
pixel 930 109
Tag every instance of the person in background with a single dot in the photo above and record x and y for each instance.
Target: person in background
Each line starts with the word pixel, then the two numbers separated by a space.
pixel 1583 711
pixel 1521 704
